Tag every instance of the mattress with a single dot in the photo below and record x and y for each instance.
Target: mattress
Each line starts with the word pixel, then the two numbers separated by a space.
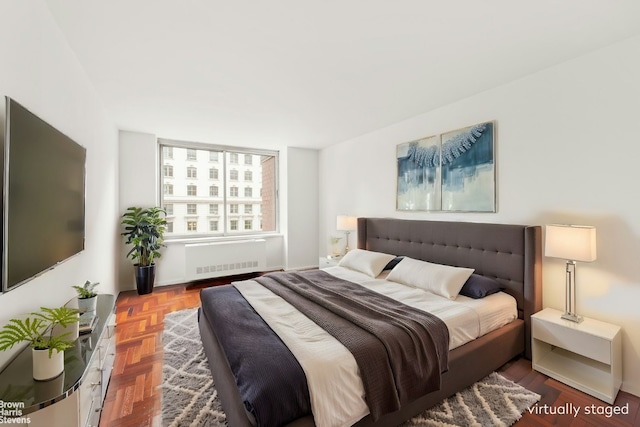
pixel 335 387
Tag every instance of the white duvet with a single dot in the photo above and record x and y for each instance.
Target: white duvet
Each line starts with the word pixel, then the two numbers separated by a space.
pixel 335 387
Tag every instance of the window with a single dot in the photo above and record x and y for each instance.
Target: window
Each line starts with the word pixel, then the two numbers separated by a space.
pixel 240 182
pixel 169 228
pixel 169 208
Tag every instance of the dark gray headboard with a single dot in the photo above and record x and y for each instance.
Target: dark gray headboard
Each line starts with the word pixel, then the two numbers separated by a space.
pixel 509 253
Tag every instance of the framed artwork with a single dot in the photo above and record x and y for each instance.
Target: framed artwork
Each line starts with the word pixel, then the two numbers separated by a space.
pixel 453 171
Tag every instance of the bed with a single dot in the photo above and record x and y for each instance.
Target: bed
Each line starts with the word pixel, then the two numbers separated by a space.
pixel 509 253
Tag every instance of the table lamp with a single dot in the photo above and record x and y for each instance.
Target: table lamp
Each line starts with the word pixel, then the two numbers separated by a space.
pixel 571 243
pixel 347 224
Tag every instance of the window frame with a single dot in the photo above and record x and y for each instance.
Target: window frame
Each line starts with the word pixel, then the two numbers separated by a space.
pixel 223 164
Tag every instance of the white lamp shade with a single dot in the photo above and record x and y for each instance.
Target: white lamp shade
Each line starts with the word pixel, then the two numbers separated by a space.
pixel 346 223
pixel 571 242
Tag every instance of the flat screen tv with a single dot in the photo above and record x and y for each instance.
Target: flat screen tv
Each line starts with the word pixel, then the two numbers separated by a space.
pixel 43 185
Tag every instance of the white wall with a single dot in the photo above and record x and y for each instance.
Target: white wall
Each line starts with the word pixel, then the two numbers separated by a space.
pixel 302 208
pixel 567 152
pixel 293 248
pixel 40 71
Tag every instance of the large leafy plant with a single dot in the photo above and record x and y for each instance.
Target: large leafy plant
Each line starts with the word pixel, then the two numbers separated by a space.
pixel 144 229
pixel 37 330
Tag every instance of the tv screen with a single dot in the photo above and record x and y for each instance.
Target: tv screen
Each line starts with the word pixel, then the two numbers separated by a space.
pixel 44 193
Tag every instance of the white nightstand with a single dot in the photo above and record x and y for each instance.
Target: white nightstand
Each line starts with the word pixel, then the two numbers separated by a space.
pixel 326 261
pixel 586 355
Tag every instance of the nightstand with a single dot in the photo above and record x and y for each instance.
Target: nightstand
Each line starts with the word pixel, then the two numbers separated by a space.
pixel 586 355
pixel 328 261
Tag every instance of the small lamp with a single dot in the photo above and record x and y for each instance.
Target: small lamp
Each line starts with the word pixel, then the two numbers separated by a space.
pixel 571 243
pixel 347 224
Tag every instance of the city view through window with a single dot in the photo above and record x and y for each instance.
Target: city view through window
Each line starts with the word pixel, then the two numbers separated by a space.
pixel 217 191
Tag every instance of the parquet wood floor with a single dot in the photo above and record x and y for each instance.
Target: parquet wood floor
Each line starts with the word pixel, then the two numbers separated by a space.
pixel 133 395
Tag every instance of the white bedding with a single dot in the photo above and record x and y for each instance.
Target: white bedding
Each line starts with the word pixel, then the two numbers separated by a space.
pixel 335 387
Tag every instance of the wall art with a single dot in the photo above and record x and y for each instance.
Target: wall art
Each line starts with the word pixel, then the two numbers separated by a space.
pixel 452 171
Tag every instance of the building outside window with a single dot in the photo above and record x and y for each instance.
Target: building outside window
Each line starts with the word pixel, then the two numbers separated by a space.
pixel 183 189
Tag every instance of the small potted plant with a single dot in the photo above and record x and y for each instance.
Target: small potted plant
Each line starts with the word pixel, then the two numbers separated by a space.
pixel 144 229
pixel 87 296
pixel 38 330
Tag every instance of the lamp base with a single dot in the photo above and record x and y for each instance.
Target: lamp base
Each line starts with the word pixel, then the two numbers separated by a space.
pixel 572 317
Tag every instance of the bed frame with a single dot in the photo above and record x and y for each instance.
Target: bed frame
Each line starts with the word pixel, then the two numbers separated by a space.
pixel 509 253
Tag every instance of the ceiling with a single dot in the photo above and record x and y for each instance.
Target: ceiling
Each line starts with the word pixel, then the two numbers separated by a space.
pixel 311 73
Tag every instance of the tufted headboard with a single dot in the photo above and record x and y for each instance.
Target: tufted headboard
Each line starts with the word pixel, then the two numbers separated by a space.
pixel 509 253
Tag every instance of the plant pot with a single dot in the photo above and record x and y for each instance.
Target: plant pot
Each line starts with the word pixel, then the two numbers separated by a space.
pixel 145 278
pixel 87 304
pixel 45 367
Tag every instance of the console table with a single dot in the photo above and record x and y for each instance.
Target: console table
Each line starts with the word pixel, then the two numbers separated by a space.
pixel 75 397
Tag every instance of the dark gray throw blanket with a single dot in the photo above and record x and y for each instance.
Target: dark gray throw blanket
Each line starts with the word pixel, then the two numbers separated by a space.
pixel 400 351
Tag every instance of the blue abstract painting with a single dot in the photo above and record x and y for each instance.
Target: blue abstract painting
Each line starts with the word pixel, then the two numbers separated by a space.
pixel 454 171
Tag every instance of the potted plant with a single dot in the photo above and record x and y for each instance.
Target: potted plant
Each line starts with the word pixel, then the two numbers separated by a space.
pixel 87 296
pixel 38 330
pixel 144 229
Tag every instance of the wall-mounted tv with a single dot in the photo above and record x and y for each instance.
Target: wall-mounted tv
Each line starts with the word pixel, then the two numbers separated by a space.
pixel 43 186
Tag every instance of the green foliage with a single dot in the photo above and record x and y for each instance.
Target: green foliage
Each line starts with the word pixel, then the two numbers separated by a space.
pixel 37 329
pixel 86 290
pixel 144 230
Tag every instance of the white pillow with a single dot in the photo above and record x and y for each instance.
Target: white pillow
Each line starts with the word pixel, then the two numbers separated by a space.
pixel 367 262
pixel 439 279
